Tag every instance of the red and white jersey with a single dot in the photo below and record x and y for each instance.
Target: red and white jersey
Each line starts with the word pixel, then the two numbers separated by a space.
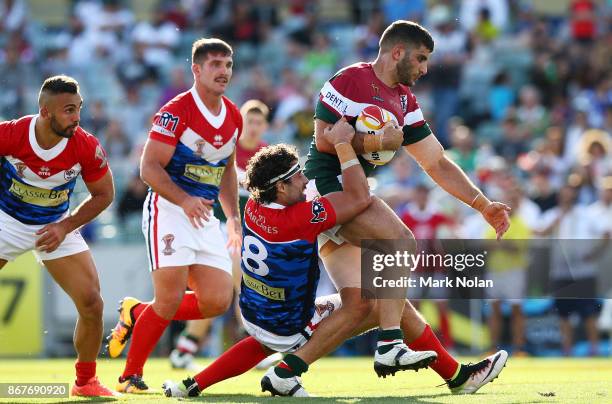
pixel 35 183
pixel 203 141
pixel 356 86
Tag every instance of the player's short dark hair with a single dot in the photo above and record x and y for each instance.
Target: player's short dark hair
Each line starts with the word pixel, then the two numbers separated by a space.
pixel 267 163
pixel 255 106
pixel 59 85
pixel 406 32
pixel 203 46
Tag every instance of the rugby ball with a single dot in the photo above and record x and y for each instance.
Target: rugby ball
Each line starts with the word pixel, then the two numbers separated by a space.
pixel 371 120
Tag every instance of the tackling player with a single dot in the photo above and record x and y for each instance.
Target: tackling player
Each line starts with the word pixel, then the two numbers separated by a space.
pixel 280 268
pixel 41 157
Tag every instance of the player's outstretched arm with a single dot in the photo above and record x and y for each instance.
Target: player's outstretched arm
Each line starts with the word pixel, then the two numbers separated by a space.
pixel 101 194
pixel 430 155
pixel 155 157
pixel 362 142
pixel 355 196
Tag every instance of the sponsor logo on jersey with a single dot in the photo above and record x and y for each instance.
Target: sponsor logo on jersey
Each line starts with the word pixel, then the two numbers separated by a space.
pixel 168 239
pixel 101 156
pixel 70 174
pixel 218 140
pixel 318 212
pixel 404 102
pixel 44 171
pixel 204 174
pixel 199 145
pixel 263 289
pixel 20 167
pixel 38 196
pixel 376 91
pixel 336 102
pixel 168 121
pixel 322 308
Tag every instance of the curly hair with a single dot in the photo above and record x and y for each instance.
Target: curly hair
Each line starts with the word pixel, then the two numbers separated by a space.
pixel 267 163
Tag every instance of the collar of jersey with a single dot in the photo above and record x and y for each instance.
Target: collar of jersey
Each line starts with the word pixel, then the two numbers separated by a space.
pixel 214 120
pixel 45 154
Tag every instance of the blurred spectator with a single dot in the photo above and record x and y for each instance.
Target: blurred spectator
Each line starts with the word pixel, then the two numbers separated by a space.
pixel 470 13
pixel 428 223
pixel 178 84
pixel 95 118
pixel 132 199
pixel 512 142
pixel 13 15
pixel 573 137
pixel 572 266
pixel 501 96
pixel 369 34
pixel 594 152
pixel 134 114
pixel 463 151
pixel 540 190
pixel 531 113
pixel 507 265
pixel 15 75
pixel 446 67
pixel 583 20
pixel 115 142
pixel 485 29
pixel 158 37
pixel 319 61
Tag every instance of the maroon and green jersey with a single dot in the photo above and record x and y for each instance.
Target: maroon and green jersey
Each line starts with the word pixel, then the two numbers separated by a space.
pixel 346 94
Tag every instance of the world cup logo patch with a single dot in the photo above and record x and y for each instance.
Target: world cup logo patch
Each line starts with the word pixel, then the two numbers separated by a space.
pixel 20 167
pixel 168 239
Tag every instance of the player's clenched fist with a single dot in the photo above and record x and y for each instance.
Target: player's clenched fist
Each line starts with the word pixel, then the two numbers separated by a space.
pixel 341 132
pixel 197 210
pixel 392 136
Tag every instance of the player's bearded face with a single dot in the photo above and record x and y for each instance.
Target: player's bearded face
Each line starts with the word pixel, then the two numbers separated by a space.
pixel 62 130
pixel 407 73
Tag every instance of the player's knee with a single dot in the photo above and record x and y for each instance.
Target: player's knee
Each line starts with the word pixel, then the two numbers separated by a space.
pixel 91 306
pixel 215 305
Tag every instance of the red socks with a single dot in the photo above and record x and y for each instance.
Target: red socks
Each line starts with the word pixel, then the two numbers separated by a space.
pixel 241 357
pixel 148 329
pixel 84 372
pixel 188 310
pixel 446 366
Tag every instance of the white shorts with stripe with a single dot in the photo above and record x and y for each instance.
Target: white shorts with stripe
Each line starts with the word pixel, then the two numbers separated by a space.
pixel 173 241
pixel 324 306
pixel 17 238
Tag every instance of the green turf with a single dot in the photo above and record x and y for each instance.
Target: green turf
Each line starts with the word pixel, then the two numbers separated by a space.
pixel 337 380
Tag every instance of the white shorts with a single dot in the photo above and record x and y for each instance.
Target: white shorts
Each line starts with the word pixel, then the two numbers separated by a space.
pixel 173 241
pixel 17 238
pixel 331 234
pixel 324 306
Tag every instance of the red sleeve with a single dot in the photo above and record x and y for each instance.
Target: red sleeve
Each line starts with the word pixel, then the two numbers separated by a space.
pixel 308 219
pixel 7 138
pixel 93 161
pixel 169 123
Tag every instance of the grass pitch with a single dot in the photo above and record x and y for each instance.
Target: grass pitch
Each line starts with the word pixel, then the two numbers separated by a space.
pixel 340 380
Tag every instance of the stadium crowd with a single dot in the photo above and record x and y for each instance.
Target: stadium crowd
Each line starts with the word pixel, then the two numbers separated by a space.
pixel 520 94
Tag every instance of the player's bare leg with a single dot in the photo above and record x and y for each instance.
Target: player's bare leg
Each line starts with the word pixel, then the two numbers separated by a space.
pixel 379 222
pixel 213 288
pixel 76 275
pixel 169 284
pixel 188 344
